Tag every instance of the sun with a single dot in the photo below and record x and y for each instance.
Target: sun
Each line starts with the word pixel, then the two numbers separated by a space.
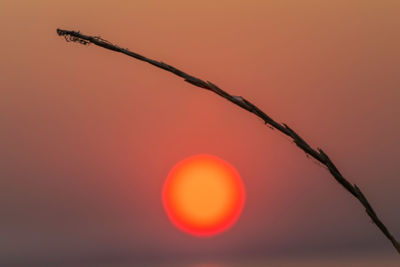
pixel 203 195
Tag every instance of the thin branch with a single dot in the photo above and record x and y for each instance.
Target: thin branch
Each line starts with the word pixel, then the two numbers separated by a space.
pixel 318 154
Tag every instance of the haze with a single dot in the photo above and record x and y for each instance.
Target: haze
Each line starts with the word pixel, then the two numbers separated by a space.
pixel 88 136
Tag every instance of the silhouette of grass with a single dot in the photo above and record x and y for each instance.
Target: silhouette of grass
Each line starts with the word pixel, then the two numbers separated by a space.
pixel 318 154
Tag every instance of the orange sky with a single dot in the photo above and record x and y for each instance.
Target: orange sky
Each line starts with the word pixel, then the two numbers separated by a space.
pixel 88 136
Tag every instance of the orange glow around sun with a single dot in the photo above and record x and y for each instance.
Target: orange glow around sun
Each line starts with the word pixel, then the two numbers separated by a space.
pixel 203 195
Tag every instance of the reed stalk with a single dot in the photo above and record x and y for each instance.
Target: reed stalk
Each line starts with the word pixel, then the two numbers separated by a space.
pixel 318 154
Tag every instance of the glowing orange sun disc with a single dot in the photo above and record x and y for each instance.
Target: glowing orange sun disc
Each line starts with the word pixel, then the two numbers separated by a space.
pixel 203 195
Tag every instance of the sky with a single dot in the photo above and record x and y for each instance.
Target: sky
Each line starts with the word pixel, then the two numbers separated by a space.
pixel 88 136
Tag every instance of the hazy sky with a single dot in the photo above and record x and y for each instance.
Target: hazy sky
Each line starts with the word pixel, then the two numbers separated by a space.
pixel 87 136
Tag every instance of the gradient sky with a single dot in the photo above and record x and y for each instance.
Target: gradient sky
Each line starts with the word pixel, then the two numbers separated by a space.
pixel 87 136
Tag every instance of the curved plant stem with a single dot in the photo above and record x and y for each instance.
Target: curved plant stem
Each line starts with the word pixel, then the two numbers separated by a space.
pixel 318 154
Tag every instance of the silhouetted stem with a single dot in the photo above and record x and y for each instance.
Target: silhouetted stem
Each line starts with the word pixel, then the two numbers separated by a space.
pixel 317 154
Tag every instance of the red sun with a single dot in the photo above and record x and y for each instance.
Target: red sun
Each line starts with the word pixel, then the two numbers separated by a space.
pixel 203 195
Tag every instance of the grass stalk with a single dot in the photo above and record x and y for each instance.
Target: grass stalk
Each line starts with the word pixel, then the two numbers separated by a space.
pixel 318 154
